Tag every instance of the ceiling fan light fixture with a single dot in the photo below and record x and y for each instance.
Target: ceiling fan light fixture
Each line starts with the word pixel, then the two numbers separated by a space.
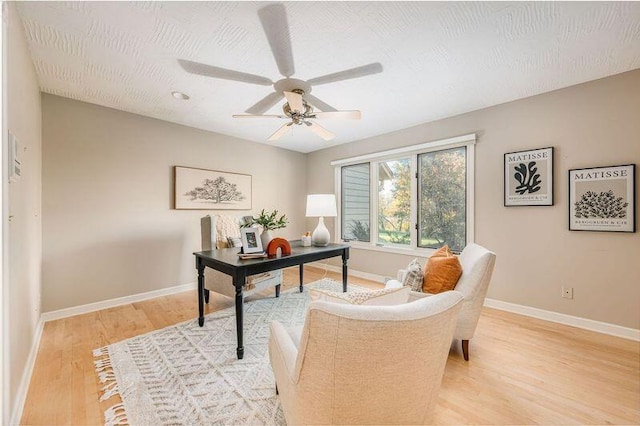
pixel 180 96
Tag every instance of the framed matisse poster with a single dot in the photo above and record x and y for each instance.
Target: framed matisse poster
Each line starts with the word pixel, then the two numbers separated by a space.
pixel 528 178
pixel 200 189
pixel 603 199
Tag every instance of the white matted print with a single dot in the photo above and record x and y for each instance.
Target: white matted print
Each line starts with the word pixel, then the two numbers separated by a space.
pixel 602 199
pixel 200 189
pixel 528 178
pixel 251 242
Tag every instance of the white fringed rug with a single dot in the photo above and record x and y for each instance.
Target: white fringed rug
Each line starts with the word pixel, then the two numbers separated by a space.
pixel 190 375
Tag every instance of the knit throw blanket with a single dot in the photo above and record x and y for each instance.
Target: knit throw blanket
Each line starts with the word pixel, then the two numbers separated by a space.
pixel 190 375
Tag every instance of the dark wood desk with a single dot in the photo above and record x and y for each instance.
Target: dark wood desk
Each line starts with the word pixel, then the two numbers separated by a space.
pixel 228 262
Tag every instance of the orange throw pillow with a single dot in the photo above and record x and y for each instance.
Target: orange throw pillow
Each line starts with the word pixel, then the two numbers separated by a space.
pixel 442 271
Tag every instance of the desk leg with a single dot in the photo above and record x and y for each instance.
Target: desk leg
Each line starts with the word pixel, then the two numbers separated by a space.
pixel 200 267
pixel 345 256
pixel 239 281
pixel 301 276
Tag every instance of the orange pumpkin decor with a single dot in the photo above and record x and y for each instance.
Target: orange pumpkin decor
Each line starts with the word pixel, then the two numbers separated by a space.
pixel 278 243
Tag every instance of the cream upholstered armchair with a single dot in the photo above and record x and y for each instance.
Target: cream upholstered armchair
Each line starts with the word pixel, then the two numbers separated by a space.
pixel 217 232
pixel 477 267
pixel 355 364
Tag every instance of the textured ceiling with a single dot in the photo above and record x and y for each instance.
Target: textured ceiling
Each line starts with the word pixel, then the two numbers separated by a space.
pixel 438 59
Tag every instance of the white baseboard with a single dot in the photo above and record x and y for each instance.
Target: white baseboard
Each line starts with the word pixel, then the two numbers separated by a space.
pixel 25 380
pixel 91 307
pixel 584 323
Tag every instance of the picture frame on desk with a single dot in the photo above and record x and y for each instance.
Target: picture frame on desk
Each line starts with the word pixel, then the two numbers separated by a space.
pixel 251 242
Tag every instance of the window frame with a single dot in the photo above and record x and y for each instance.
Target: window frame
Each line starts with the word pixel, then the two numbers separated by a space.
pixel 412 153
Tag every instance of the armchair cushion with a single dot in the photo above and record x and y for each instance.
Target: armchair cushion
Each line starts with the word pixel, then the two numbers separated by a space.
pixel 234 241
pixel 442 271
pixel 381 297
pixel 226 226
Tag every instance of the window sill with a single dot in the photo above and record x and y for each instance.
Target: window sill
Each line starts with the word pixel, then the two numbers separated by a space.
pixel 418 252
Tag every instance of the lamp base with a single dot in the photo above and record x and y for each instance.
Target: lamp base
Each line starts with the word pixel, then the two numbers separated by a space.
pixel 320 236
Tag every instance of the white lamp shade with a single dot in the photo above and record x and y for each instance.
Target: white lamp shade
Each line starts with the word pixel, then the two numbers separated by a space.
pixel 321 205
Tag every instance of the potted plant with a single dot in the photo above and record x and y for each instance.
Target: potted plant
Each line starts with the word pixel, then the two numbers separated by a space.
pixel 269 221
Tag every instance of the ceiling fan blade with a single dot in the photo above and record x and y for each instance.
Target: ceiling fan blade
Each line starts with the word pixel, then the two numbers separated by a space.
pixel 276 28
pixel 351 115
pixel 319 104
pixel 362 71
pixel 320 131
pixel 258 116
pixel 295 101
pixel 281 131
pixel 225 74
pixel 264 104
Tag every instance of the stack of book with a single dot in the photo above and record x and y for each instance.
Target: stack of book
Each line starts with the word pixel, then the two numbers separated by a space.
pixel 258 255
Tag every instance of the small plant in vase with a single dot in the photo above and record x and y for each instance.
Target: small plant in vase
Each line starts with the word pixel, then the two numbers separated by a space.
pixel 269 221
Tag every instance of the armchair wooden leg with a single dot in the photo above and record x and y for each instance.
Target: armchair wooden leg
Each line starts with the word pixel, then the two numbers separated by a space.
pixel 206 296
pixel 278 290
pixel 277 393
pixel 465 349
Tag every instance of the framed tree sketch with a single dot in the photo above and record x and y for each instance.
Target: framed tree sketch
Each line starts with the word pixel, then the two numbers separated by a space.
pixel 603 199
pixel 528 178
pixel 200 189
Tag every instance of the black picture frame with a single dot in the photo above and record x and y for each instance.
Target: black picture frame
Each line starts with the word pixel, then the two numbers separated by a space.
pixel 603 199
pixel 528 178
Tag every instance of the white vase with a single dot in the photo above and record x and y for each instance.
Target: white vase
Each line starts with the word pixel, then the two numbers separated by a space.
pixel 266 238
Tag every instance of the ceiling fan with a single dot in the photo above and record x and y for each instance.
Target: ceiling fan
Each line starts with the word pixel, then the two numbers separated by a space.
pixel 300 102
pixel 298 110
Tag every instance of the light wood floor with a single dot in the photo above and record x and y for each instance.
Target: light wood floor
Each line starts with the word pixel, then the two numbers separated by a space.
pixel 521 371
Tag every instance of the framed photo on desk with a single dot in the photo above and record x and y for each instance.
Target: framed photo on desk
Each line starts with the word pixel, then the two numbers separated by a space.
pixel 251 242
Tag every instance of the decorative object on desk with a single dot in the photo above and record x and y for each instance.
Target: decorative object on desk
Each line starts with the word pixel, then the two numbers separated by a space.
pixel 602 199
pixel 321 206
pixel 160 376
pixel 201 189
pixel 528 178
pixel 269 221
pixel 306 239
pixel 251 241
pixel 278 243
pixel 245 256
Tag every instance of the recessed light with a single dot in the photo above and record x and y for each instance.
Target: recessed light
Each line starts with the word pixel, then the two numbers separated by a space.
pixel 180 95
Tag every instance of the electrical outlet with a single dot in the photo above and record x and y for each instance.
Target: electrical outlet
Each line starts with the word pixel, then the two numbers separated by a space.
pixel 567 292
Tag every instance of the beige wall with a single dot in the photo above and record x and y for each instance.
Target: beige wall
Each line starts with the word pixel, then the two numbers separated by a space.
pixel 25 236
pixel 109 229
pixel 592 124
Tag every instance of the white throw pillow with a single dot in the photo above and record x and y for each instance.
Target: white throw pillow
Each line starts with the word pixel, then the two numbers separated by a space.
pixel 414 276
pixel 382 297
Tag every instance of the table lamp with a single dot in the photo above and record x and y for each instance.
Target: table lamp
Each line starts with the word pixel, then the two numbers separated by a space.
pixel 321 205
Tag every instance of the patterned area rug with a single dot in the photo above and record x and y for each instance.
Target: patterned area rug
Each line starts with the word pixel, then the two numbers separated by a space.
pixel 189 375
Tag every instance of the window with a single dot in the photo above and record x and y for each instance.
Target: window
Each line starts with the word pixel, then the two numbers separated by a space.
pixel 394 202
pixel 354 203
pixel 418 197
pixel 442 199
